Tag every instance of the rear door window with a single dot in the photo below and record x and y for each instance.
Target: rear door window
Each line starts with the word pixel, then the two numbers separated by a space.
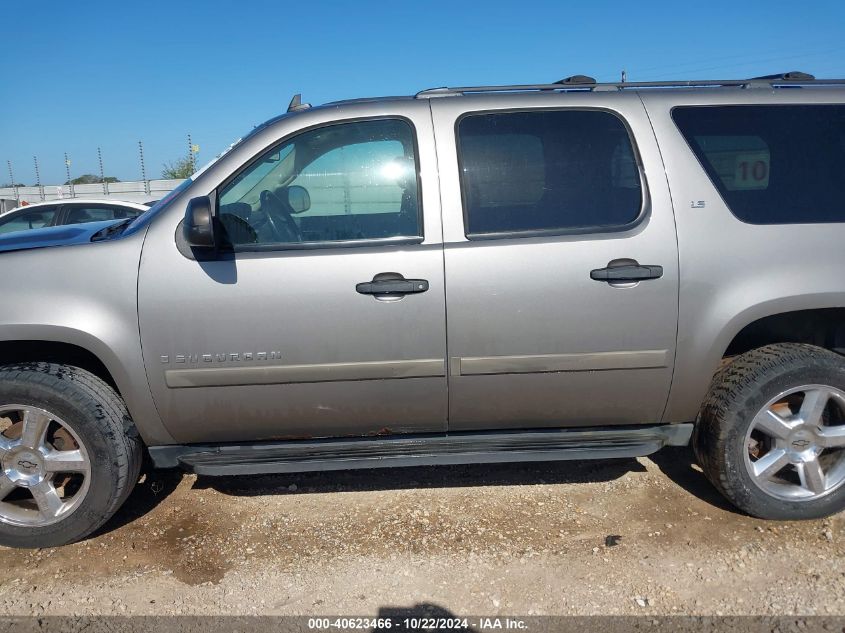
pixel 547 171
pixel 83 214
pixel 772 164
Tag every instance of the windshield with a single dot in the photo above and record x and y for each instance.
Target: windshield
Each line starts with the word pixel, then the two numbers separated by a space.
pixel 149 214
pixel 146 217
pixel 216 158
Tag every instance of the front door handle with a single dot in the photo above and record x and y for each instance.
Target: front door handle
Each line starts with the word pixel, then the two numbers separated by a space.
pixel 628 273
pixel 392 287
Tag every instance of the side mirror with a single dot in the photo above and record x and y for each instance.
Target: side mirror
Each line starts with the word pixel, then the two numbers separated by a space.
pixel 199 224
pixel 299 199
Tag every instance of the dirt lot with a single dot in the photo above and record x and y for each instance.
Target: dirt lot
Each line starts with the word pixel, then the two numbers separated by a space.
pixel 646 536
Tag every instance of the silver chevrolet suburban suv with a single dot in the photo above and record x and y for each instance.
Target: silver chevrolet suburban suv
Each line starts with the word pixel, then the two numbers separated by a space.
pixel 468 275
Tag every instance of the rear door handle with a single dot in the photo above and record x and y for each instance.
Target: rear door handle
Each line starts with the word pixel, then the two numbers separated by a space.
pixel 392 287
pixel 627 274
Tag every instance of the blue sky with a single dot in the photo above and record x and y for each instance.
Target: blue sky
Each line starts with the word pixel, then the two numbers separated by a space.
pixel 78 75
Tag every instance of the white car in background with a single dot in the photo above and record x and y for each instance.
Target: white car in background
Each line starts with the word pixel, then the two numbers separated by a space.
pixel 67 211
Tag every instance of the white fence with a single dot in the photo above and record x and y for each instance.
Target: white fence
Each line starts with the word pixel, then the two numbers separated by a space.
pixel 137 191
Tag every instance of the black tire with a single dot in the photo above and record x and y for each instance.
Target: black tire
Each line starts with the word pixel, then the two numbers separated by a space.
pixel 738 392
pixel 100 418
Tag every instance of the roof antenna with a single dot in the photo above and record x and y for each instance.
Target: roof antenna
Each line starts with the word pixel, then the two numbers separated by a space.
pixel 296 103
pixel 624 76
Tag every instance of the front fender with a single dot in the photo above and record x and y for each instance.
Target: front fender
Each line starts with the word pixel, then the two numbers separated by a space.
pixel 86 296
pixel 133 388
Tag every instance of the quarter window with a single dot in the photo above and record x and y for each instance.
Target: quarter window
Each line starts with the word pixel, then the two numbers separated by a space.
pixel 772 164
pixel 547 171
pixel 345 182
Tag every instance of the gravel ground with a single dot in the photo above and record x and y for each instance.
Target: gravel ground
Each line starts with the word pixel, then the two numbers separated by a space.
pixel 644 536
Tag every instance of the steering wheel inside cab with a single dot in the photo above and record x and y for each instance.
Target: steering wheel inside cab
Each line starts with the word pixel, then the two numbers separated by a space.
pixel 276 208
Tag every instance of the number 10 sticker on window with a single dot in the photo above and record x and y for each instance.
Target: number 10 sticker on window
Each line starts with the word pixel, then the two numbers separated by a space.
pixel 752 170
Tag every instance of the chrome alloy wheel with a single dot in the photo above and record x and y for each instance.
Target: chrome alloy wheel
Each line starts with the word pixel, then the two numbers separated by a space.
pixel 45 469
pixel 795 446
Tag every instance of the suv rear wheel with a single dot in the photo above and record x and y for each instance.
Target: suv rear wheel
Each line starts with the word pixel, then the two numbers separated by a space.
pixel 771 434
pixel 69 454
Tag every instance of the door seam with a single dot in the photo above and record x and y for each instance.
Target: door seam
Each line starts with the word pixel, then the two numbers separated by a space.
pixel 677 254
pixel 443 268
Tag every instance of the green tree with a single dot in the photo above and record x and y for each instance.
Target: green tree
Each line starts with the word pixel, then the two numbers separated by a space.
pixel 91 179
pixel 177 169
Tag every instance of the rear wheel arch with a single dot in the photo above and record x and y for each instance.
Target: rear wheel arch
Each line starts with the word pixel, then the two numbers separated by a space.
pixel 759 439
pixel 822 327
pixel 707 342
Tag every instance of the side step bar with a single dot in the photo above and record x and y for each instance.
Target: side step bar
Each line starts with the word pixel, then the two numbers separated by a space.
pixel 421 450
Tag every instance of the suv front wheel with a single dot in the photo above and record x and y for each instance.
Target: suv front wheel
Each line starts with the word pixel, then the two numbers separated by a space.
pixel 69 454
pixel 771 434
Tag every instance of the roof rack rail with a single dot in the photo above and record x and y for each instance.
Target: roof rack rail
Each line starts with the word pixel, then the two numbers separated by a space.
pixel 583 82
pixel 577 80
pixel 793 75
